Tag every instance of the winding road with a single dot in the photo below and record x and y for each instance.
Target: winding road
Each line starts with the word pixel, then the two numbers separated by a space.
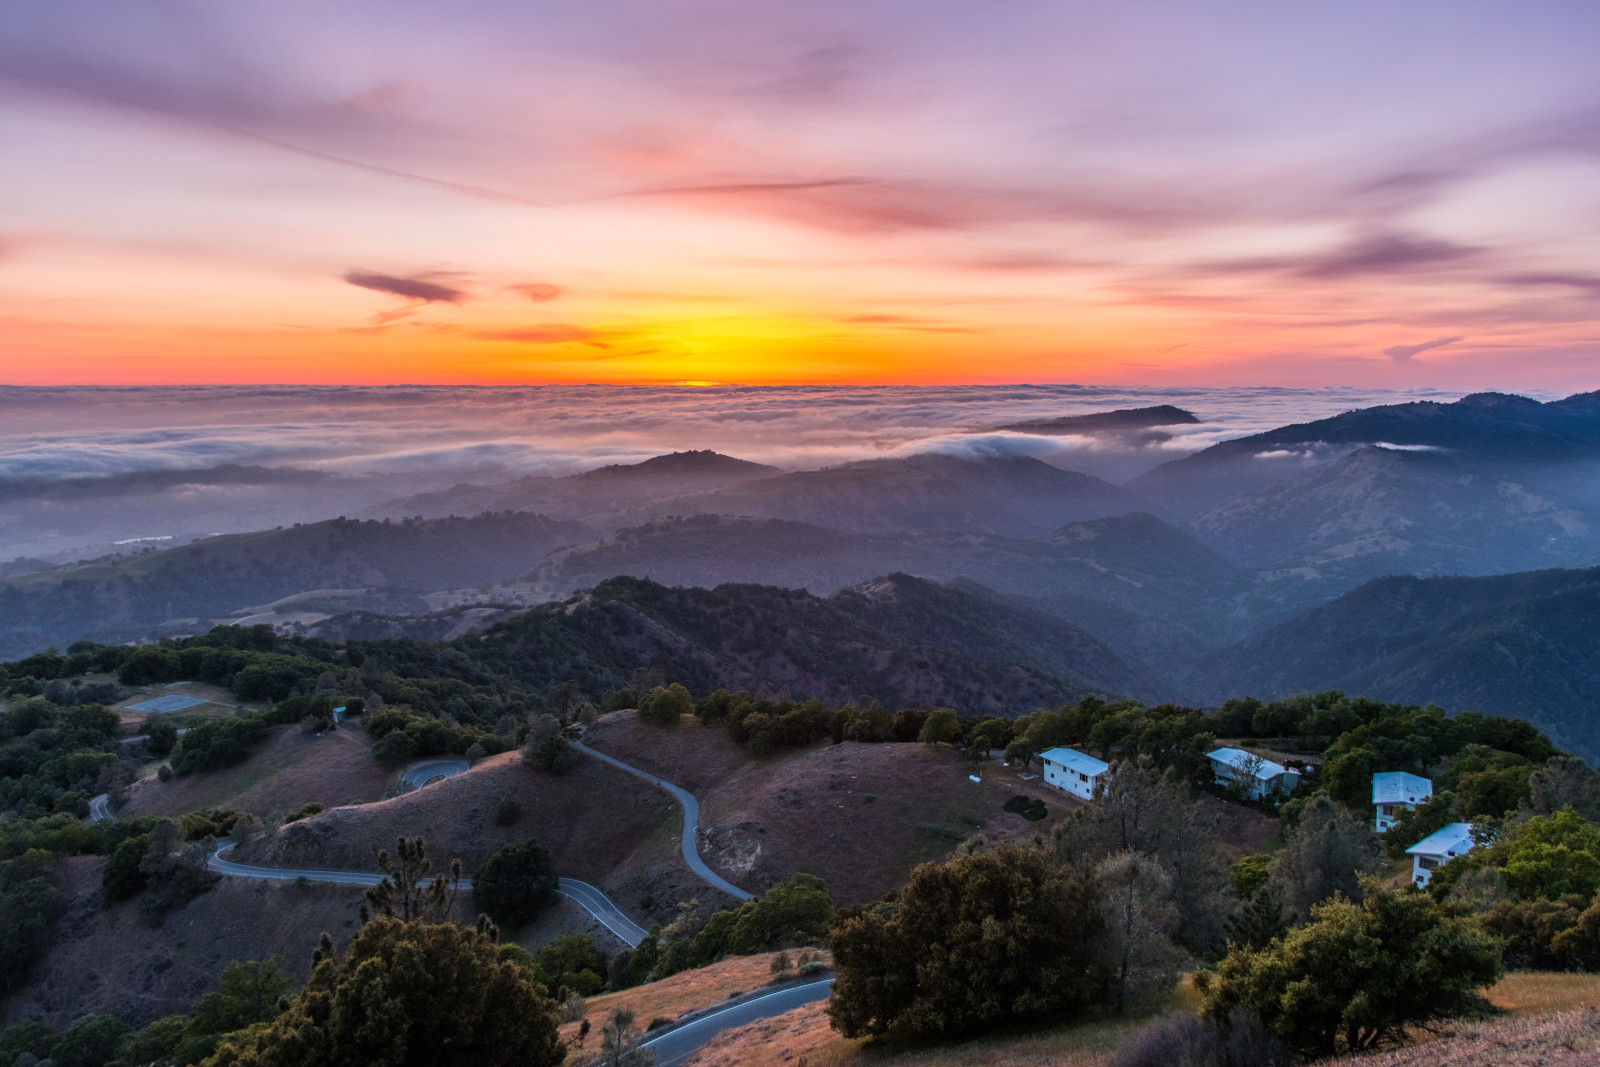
pixel 691 820
pixel 682 1040
pixel 420 774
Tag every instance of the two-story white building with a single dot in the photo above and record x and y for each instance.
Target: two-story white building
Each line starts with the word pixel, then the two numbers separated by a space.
pixel 1397 791
pixel 1437 849
pixel 1073 771
pixel 1231 765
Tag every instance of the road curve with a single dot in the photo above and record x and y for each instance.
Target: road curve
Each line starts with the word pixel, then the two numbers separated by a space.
pixel 420 774
pixel 677 1044
pixel 691 820
pixel 583 894
pixel 100 808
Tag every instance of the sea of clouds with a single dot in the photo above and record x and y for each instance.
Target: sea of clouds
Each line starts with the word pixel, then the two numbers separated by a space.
pixel 75 432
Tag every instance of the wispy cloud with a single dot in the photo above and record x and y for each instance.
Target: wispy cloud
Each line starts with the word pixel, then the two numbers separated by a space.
pixel 418 288
pixel 537 292
pixel 1405 353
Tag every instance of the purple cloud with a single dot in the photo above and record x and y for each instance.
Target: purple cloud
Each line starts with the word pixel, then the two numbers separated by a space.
pixel 411 288
pixel 1404 353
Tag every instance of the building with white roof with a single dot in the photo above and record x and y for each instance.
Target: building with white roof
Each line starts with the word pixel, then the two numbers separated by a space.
pixel 1397 791
pixel 1231 765
pixel 1073 771
pixel 1437 849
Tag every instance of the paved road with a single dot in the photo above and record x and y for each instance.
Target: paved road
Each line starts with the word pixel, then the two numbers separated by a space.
pixel 100 808
pixel 679 1043
pixel 691 820
pixel 420 774
pixel 583 894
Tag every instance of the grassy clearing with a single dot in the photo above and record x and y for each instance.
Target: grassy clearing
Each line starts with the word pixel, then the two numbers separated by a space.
pixel 1539 992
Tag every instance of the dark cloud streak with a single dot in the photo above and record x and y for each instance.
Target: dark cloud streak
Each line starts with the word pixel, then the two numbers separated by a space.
pixel 410 288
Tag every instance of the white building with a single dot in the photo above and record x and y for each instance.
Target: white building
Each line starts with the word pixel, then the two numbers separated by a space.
pixel 1266 777
pixel 1437 849
pixel 1397 791
pixel 1073 771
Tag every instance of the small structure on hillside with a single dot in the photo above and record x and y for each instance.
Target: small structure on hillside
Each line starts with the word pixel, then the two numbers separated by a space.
pixel 1072 771
pixel 1259 776
pixel 1397 791
pixel 1437 849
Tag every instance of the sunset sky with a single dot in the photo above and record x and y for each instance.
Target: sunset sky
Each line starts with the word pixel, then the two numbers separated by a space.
pixel 1383 195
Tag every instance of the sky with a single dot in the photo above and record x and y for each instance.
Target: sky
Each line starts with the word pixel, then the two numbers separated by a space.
pixel 1230 193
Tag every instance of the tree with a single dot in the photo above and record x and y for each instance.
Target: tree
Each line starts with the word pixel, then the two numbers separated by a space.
pixel 972 944
pixel 516 883
pixel 1412 825
pixel 1325 853
pixel 1358 974
pixel 572 962
pixel 405 894
pixel 122 877
pixel 942 727
pixel 409 994
pixel 619 1043
pixel 160 736
pixel 175 872
pixel 665 705
pixel 1140 919
pixel 1565 782
pixel 1149 810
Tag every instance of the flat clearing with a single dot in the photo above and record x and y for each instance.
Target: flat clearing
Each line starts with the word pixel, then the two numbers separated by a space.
pixel 162 705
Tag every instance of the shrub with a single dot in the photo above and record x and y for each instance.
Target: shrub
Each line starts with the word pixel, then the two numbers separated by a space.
pixel 972 944
pixel 515 884
pixel 409 993
pixel 665 705
pixel 507 811
pixel 1030 808
pixel 121 877
pixel 1358 974
pixel 1185 1041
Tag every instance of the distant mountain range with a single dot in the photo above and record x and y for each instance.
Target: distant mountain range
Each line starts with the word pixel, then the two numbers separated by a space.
pixel 1268 571
pixel 131 597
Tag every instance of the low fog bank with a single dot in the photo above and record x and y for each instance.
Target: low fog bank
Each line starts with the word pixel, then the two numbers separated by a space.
pixel 81 467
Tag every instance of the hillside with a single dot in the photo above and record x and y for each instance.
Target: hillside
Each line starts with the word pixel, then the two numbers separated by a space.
pixel 1016 496
pixel 1524 645
pixel 1095 574
pixel 1383 511
pixel 596 496
pixel 122 598
pixel 902 641
pixel 1490 428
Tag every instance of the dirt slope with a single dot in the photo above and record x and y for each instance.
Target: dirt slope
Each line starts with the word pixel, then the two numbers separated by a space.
pixel 860 816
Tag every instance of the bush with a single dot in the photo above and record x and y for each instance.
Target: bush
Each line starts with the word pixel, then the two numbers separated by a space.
pixel 1185 1041
pixel 515 884
pixel 573 963
pixel 1030 808
pixel 553 755
pixel 1358 975
pixel 981 941
pixel 122 877
pixel 507 811
pixel 665 705
pixel 409 993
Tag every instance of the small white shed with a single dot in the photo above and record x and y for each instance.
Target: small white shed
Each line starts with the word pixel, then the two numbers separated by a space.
pixel 1073 771
pixel 1397 791
pixel 1437 849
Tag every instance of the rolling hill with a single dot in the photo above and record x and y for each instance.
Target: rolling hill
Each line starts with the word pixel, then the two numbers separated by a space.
pixel 1524 645
pixel 123 598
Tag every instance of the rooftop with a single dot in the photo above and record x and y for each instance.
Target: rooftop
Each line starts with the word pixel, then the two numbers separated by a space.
pixel 1074 760
pixel 1395 787
pixel 1239 759
pixel 1451 841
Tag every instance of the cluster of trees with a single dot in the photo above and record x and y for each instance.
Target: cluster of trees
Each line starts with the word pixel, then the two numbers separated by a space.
pixel 51 756
pixel 403 733
pixel 790 914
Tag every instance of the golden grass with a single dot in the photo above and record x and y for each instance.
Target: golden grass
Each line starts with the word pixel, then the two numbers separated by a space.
pixel 676 995
pixel 1539 992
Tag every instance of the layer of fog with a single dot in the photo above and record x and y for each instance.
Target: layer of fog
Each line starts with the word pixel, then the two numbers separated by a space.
pixel 382 443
